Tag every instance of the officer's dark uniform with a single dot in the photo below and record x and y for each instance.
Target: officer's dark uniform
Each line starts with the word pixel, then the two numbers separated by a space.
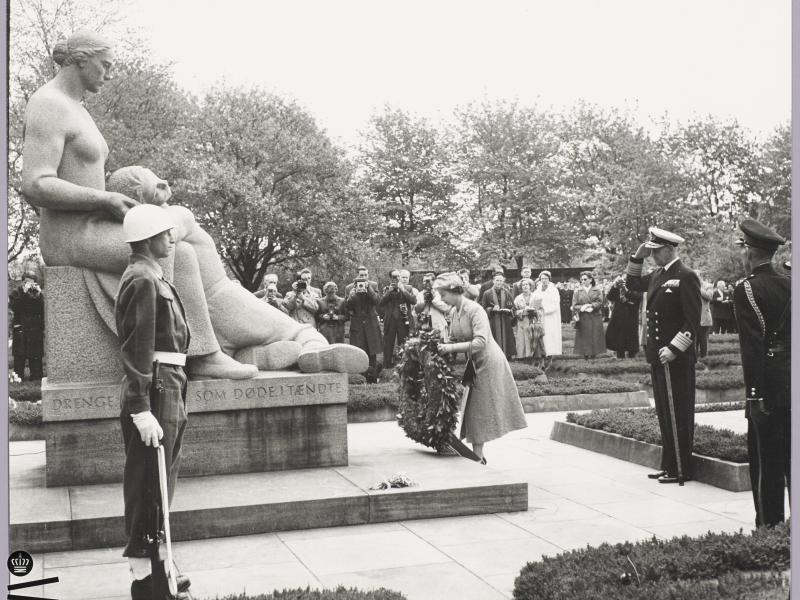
pixel 149 317
pixel 27 332
pixel 673 320
pixel 762 305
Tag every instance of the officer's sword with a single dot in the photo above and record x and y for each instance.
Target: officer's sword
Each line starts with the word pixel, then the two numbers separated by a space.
pixel 673 420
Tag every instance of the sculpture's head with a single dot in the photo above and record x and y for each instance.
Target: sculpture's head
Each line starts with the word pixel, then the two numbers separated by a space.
pixel 90 53
pixel 140 184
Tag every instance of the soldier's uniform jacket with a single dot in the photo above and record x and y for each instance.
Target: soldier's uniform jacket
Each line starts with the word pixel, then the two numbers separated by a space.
pixel 759 301
pixel 673 308
pixel 149 317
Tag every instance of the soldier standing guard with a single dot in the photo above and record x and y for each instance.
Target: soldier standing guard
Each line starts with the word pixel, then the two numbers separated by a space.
pixel 762 305
pixel 151 325
pixel 673 320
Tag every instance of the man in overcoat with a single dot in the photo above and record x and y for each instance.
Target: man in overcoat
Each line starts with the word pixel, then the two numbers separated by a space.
pixel 673 320
pixel 499 305
pixel 396 304
pixel 27 327
pixel 361 299
pixel 762 304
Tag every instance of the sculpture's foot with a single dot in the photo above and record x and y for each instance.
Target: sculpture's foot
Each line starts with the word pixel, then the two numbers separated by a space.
pixel 342 358
pixel 271 357
pixel 219 365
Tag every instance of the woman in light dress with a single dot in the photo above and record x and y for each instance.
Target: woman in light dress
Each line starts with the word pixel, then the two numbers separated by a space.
pixel 493 408
pixel 547 297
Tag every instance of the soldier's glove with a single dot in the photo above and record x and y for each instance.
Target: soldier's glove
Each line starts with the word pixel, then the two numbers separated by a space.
pixel 666 355
pixel 148 427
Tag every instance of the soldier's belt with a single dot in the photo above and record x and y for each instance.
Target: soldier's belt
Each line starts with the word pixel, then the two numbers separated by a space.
pixel 170 358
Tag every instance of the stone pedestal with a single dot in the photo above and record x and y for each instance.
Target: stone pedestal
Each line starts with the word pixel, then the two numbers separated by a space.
pixel 278 420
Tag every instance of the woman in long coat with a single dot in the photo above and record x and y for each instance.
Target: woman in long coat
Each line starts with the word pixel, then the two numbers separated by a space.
pixel 499 306
pixel 493 408
pixel 528 331
pixel 548 295
pixel 587 301
pixel 622 334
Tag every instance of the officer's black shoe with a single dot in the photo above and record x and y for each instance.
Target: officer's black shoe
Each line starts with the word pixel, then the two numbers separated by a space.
pixel 142 589
pixel 670 479
pixel 656 475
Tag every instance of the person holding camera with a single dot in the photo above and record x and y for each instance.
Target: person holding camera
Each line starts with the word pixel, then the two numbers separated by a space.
pixel 622 334
pixel 361 300
pixel 305 275
pixel 396 304
pixel 499 305
pixel 301 303
pixel 331 314
pixel 27 333
pixel 273 297
pixel 432 311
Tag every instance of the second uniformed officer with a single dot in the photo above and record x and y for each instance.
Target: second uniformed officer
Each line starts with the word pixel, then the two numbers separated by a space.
pixel 673 320
pixel 762 304
pixel 151 325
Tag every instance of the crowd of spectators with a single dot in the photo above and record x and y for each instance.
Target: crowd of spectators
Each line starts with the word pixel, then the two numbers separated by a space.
pixel 525 316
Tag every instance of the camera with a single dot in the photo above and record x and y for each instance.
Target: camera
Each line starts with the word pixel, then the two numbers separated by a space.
pixel 361 285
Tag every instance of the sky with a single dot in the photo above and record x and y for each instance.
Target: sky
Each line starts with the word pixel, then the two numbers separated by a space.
pixel 344 60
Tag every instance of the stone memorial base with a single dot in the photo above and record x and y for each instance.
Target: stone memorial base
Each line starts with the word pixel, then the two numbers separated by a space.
pixel 279 420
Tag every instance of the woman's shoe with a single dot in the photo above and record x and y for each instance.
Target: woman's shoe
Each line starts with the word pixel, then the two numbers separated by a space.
pixel 483 460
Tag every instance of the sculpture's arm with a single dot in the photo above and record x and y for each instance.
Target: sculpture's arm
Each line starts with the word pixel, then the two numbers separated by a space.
pixel 46 131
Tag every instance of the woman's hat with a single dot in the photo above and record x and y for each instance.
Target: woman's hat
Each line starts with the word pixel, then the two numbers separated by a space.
pixel 448 281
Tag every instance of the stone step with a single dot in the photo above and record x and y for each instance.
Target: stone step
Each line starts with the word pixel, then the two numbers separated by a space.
pixel 49 519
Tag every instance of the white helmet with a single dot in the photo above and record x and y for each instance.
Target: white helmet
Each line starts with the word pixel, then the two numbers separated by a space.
pixel 144 221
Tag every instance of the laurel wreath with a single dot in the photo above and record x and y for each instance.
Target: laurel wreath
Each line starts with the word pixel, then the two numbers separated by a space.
pixel 429 392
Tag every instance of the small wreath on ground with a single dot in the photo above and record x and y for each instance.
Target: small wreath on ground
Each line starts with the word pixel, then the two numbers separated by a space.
pixel 429 392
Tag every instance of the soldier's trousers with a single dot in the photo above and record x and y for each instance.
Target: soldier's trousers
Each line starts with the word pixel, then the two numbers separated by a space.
pixel 769 443
pixel 140 485
pixel 683 379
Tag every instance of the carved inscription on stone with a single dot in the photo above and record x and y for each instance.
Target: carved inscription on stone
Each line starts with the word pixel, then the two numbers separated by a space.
pixel 72 402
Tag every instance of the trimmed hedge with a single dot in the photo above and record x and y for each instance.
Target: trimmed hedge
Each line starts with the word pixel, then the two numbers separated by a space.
pixel 25 413
pixel 574 385
pixel 373 396
pixel 25 391
pixel 713 361
pixel 719 406
pixel 642 425
pixel 521 371
pixel 726 379
pixel 340 593
pixel 603 367
pixel 715 565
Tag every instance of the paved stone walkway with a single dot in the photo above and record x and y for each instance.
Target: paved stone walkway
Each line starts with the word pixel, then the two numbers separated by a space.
pixel 576 497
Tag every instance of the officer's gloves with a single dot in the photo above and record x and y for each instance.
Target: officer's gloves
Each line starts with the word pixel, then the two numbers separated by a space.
pixel 148 428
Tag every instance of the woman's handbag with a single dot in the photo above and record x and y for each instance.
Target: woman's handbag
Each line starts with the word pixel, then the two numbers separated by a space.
pixel 468 379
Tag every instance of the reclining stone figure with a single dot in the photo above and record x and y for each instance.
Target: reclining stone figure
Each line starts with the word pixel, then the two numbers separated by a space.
pixel 63 175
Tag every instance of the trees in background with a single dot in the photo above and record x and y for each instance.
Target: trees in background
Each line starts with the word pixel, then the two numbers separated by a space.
pixel 500 181
pixel 407 174
pixel 268 185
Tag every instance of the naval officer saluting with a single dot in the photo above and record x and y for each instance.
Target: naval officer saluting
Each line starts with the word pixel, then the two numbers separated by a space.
pixel 673 320
pixel 762 305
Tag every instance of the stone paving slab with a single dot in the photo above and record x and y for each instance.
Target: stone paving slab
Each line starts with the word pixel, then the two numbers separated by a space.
pixel 464 557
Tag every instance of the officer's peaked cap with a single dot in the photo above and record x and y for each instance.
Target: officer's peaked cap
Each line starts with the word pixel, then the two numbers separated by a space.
pixel 758 235
pixel 661 237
